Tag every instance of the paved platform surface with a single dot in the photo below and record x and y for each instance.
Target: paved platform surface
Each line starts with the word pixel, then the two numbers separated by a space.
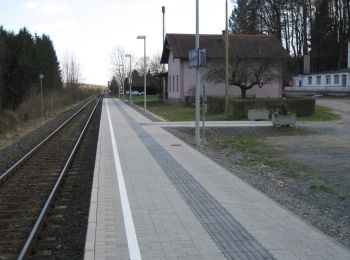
pixel 154 197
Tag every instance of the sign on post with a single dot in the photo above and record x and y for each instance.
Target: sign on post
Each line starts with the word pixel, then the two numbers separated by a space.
pixel 193 58
pixel 202 58
pixel 197 58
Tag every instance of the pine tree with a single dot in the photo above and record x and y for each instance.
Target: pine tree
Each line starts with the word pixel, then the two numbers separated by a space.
pixel 323 41
pixel 47 62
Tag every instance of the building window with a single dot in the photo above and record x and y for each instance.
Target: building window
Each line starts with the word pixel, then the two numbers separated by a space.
pixel 177 83
pixel 169 78
pixel 328 80
pixel 309 80
pixel 318 80
pixel 300 83
pixel 336 79
pixel 173 83
pixel 343 80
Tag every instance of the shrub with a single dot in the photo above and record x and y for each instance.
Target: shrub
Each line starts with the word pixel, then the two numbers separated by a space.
pixel 8 121
pixel 301 106
pixel 216 105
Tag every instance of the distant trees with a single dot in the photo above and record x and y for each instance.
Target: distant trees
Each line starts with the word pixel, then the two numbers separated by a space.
pixel 71 70
pixel 316 27
pixel 122 70
pixel 22 58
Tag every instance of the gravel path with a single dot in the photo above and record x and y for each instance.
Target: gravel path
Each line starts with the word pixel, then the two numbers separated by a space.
pixel 320 191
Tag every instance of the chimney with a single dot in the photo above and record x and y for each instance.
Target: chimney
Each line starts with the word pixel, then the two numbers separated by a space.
pixel 348 53
pixel 306 64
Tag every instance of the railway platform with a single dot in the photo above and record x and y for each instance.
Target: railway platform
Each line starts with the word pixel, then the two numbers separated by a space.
pixel 155 197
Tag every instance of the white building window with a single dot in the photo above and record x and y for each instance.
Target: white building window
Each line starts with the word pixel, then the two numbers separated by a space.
pixel 328 80
pixel 336 79
pixel 173 83
pixel 309 80
pixel 343 80
pixel 318 80
pixel 169 79
pixel 177 83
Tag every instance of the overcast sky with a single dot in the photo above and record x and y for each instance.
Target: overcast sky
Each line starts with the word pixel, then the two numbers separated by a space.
pixel 91 28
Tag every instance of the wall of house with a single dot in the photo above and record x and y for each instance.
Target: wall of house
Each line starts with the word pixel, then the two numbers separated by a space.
pixel 273 89
pixel 184 79
pixel 174 79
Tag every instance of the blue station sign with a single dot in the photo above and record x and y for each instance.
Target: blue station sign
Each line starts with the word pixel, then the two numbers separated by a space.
pixel 193 58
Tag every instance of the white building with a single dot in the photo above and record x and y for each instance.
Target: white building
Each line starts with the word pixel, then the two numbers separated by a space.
pixel 331 82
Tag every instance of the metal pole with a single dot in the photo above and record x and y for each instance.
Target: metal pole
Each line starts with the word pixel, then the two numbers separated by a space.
pixel 122 85
pixel 163 67
pixel 226 63
pixel 130 79
pixel 144 76
pixel 197 137
pixel 119 86
pixel 42 97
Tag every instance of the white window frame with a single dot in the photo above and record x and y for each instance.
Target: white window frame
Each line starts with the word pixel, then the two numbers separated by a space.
pixel 309 80
pixel 318 80
pixel 336 79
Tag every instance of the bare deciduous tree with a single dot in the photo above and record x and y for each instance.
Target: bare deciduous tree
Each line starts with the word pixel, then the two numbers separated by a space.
pixel 71 70
pixel 120 66
pixel 155 66
pixel 244 73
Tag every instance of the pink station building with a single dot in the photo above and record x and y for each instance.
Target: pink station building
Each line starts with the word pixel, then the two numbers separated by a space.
pixel 181 79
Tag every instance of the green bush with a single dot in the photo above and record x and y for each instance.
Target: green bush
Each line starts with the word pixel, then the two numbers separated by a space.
pixel 301 106
pixel 216 105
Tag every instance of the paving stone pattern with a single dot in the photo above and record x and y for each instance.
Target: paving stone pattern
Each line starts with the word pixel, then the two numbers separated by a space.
pixel 228 234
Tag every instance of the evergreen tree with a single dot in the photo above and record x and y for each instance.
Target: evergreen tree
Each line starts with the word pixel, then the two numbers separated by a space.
pixel 114 87
pixel 238 22
pixel 47 62
pixel 323 41
pixel 22 58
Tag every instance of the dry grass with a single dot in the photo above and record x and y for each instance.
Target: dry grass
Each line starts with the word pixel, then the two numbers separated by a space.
pixel 15 124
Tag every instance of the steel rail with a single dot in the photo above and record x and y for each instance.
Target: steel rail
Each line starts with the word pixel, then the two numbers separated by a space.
pixel 20 161
pixel 27 246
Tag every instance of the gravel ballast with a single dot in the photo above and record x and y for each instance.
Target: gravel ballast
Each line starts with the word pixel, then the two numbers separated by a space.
pixel 325 211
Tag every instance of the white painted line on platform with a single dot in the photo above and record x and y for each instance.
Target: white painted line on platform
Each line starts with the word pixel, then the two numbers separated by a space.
pixel 133 245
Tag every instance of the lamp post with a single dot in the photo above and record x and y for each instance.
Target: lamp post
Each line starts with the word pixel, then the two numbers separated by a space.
pixel 143 37
pixel 41 76
pixel 122 77
pixel 197 138
pixel 129 56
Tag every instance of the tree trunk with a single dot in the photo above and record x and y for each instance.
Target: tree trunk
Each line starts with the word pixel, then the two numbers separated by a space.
pixel 243 93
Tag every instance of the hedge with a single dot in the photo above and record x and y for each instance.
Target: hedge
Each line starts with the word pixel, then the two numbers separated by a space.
pixel 238 108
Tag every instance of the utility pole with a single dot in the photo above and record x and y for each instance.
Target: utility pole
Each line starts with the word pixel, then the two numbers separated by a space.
pixel 197 115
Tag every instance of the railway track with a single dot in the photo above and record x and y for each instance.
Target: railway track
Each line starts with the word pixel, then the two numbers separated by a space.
pixel 39 186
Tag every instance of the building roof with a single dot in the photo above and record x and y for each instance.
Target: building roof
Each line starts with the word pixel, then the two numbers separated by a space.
pixel 240 46
pixel 344 70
